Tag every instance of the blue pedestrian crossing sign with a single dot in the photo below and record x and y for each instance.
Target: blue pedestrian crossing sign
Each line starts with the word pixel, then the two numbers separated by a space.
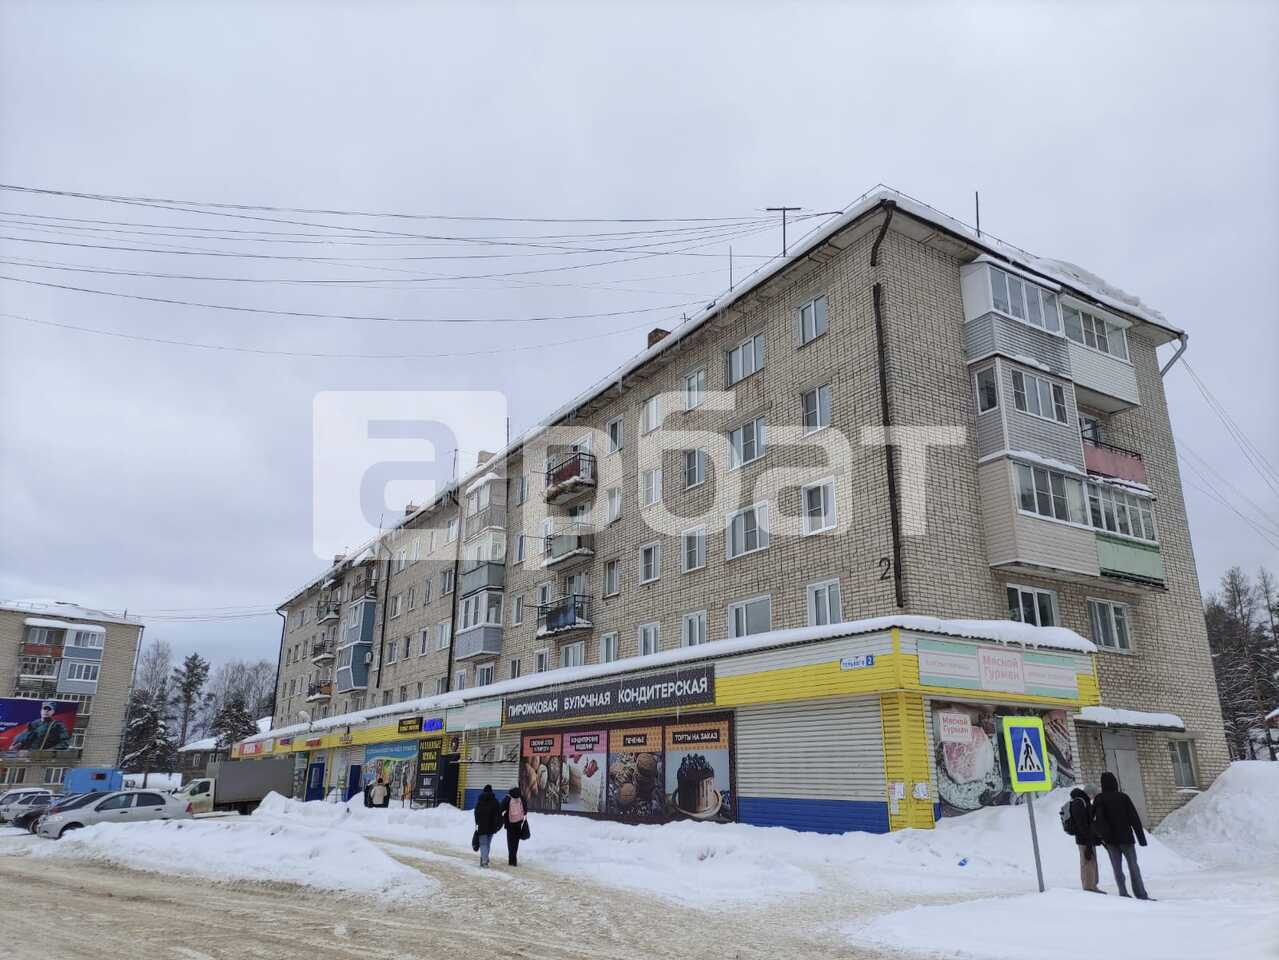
pixel 1027 755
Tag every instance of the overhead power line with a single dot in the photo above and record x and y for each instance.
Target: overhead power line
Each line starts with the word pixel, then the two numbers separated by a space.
pixel 1251 452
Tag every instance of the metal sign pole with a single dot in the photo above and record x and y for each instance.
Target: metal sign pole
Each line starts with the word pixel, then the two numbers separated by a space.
pixel 1034 839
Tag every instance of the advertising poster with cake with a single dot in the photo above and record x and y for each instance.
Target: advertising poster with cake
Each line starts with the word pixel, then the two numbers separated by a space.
pixel 635 780
pixel 541 770
pixel 585 768
pixel 698 776
pixel 970 763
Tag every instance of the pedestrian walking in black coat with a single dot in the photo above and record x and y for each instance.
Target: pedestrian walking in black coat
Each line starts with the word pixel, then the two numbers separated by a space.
pixel 1085 839
pixel 488 820
pixel 1119 826
pixel 516 819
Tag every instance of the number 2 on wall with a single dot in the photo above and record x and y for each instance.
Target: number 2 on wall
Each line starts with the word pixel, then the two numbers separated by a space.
pixel 885 568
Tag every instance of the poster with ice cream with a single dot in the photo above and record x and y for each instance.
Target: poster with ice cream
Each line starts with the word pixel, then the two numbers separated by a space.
pixel 586 769
pixel 635 780
pixel 698 777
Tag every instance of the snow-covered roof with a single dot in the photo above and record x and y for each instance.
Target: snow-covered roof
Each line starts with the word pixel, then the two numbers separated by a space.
pixel 1272 715
pixel 61 608
pixel 491 475
pixel 996 631
pixel 1066 276
pixel 1117 717
pixel 211 743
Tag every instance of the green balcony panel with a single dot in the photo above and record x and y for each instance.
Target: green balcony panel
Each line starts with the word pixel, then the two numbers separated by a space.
pixel 1128 558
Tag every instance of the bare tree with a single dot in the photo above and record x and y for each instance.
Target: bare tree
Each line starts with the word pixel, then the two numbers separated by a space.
pixel 250 682
pixel 1240 622
pixel 154 667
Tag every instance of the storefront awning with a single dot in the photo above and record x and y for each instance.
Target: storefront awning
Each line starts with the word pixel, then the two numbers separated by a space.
pixel 1138 719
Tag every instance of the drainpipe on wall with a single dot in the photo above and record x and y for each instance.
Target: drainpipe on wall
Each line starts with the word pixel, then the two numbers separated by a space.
pixel 279 666
pixel 1185 342
pixel 386 600
pixel 890 452
pixel 457 589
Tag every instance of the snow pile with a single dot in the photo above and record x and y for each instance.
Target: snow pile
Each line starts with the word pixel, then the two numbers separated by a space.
pixel 1234 822
pixel 1117 717
pixel 1070 924
pixel 240 851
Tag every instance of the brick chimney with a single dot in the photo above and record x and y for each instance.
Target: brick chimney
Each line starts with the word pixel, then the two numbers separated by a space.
pixel 656 334
pixel 484 457
pixel 410 508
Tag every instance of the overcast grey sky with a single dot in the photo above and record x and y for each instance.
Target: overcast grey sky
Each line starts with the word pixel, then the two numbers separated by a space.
pixel 1139 141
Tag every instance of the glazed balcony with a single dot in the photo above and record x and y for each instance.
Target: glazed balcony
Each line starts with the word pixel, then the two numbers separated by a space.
pixel 576 540
pixel 1136 561
pixel 563 614
pixel 492 517
pixel 40 649
pixel 38 669
pixel 319 692
pixel 322 652
pixel 484 640
pixel 1109 460
pixel 570 476
pixel 486 575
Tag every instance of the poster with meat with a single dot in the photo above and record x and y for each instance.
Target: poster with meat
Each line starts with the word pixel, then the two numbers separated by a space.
pixel 541 767
pixel 970 767
pixel 586 771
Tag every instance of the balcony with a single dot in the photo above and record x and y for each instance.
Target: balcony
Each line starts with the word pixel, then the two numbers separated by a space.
pixel 319 692
pixel 326 610
pixel 486 575
pixel 38 670
pixel 563 614
pixel 1109 460
pixel 570 476
pixel 40 649
pixel 1132 560
pixel 322 652
pixel 1102 382
pixel 492 517
pixel 574 540
pixel 365 586
pixel 484 640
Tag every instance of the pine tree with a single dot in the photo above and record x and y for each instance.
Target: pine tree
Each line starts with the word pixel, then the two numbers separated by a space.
pixel 1241 636
pixel 189 697
pixel 148 744
pixel 233 723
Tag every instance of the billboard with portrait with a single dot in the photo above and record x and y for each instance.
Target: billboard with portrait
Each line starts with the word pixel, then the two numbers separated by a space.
pixel 26 725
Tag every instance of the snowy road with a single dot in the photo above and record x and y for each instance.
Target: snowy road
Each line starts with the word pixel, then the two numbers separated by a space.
pixel 89 910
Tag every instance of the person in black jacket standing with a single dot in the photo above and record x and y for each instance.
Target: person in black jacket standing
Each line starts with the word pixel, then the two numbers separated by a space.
pixel 1085 839
pixel 488 820
pixel 515 816
pixel 1118 825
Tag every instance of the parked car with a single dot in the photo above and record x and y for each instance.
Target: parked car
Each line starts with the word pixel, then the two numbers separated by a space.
pixel 122 806
pixel 15 803
pixel 67 801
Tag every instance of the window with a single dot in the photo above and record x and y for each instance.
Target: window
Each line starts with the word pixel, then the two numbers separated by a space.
pixel 1090 428
pixel 541 660
pixel 1025 301
pixel 816 403
pixel 1117 511
pixel 392 646
pixel 693 554
pixel 411 599
pixel 649 415
pixel 573 654
pixel 483 674
pixel 121 801
pixel 1095 333
pixel 47 636
pixel 13 775
pixel 614 495
pixel 1032 605
pixel 612 578
pixel 521 489
pixel 520 547
pixel 443 634
pixel 451 535
pixel 408 642
pixel 88 639
pixel 650 638
pixel 482 609
pixel 608 648
pixel 404 692
pixel 418 691
pixel 446 581
pixel 1110 623
pixel 651 486
pixel 416 553
pixel 543 594
pixel 694 389
pixel 401 559
pixel 823 604
pixel 459 680
pixel 750 616
pixel 82 670
pixel 386 698
pixel 819 506
pixel 694 468
pixel 441 685
pixel 811 322
pixel 1049 493
pixel 987 390
pixel 513 668
pixel 746 443
pixel 650 562
pixel 693 630
pixel 393 610
pixel 426 591
pixel 616 436
pixel 747 531
pixel 745 358
pixel 424 643
pixel 517 611
pixel 1038 396
pixel 1181 752
pixel 54 775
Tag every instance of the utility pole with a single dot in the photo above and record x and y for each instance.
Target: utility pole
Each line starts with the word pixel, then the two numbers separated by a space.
pixel 977 205
pixel 783 211
pixel 730 266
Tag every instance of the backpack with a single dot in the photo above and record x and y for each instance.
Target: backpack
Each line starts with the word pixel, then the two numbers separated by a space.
pixel 515 810
pixel 1067 821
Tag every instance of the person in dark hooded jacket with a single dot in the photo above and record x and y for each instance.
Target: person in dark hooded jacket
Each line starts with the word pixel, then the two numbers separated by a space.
pixel 488 820
pixel 1119 826
pixel 1085 839
pixel 514 816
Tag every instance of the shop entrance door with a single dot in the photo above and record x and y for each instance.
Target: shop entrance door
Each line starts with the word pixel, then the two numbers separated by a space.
pixel 449 770
pixel 353 777
pixel 1121 760
pixel 315 781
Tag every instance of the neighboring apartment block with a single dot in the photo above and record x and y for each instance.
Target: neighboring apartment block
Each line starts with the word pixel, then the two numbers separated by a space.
pixel 79 660
pixel 733 480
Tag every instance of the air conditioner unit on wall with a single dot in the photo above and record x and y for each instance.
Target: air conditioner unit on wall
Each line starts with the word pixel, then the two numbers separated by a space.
pixel 368 658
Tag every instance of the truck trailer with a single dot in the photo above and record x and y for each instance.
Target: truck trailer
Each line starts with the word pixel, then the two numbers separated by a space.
pixel 238 784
